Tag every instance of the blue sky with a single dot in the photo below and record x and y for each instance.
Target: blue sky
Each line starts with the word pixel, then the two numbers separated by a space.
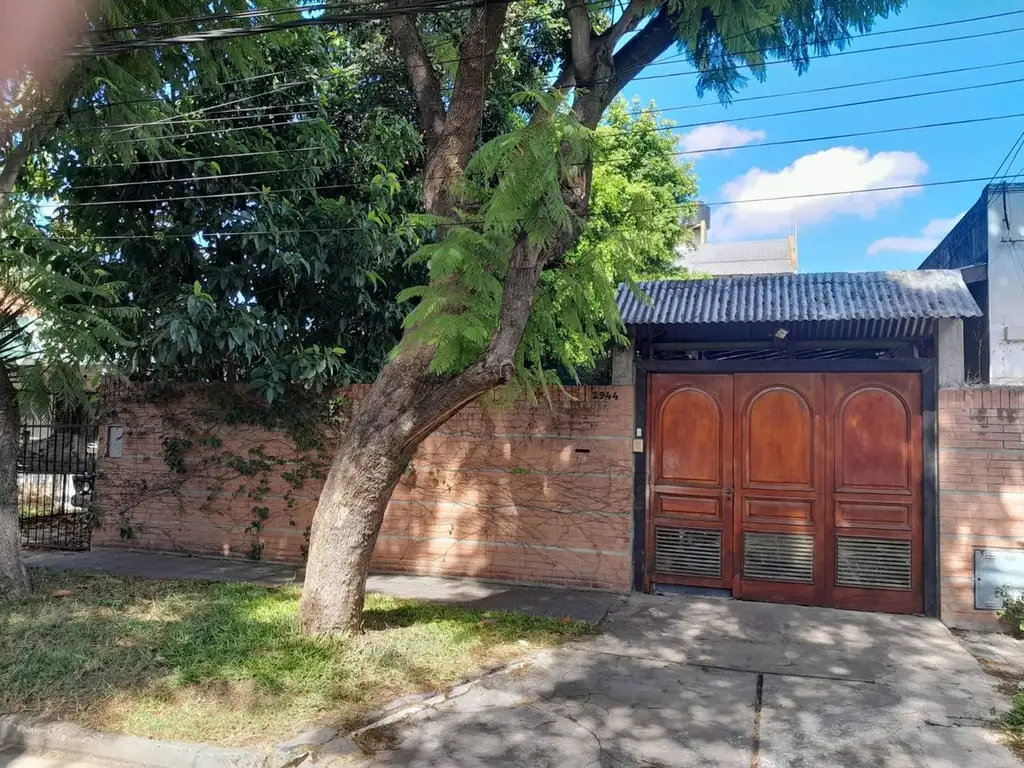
pixel 871 231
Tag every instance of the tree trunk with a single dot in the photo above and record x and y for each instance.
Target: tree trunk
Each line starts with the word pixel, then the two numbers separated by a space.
pixel 13 581
pixel 345 527
pixel 406 403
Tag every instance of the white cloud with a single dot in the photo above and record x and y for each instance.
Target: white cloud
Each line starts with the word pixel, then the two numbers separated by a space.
pixel 707 138
pixel 930 236
pixel 818 176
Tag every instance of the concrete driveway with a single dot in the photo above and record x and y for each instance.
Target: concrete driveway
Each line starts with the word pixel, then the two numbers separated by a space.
pixel 677 681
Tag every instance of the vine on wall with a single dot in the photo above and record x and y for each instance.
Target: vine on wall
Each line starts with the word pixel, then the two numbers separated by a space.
pixel 297 431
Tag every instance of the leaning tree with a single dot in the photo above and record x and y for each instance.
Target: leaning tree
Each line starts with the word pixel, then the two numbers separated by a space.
pixel 508 211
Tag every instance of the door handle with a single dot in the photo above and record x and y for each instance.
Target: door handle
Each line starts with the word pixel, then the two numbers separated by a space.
pixel 728 493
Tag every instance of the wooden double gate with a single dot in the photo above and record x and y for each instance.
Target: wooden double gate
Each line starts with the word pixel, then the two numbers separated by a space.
pixel 799 488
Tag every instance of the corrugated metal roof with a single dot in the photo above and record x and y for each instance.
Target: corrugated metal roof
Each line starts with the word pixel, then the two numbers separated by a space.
pixel 820 296
pixel 760 257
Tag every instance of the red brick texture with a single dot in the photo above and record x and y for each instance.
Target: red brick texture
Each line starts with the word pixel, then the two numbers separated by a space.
pixel 532 494
pixel 981 489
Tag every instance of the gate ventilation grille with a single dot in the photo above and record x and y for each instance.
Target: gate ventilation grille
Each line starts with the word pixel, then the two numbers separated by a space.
pixel 778 557
pixel 693 552
pixel 873 563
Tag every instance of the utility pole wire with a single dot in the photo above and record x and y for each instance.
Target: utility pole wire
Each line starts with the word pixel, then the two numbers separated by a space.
pixel 688 204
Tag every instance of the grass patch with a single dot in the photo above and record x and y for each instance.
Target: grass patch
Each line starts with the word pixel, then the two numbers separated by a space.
pixel 226 663
pixel 1013 726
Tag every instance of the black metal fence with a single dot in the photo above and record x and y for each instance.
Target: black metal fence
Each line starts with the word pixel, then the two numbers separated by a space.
pixel 56 477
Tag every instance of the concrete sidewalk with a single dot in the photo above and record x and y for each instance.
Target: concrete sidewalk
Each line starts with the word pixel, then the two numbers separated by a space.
pixel 691 682
pixel 479 595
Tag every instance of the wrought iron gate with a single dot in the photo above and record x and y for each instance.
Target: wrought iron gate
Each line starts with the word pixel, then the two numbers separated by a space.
pixel 56 477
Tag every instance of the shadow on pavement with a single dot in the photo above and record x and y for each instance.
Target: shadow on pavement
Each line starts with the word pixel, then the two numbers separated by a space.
pixel 674 682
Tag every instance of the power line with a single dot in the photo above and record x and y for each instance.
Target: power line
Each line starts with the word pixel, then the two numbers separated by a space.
pixel 833 54
pixel 716 204
pixel 918 28
pixel 153 100
pixel 1014 146
pixel 784 142
pixel 855 134
pixel 161 161
pixel 210 19
pixel 252 14
pixel 826 107
pixel 784 113
pixel 215 130
pixel 680 74
pixel 218 35
pixel 825 89
pixel 658 110
pixel 210 177
pixel 610 4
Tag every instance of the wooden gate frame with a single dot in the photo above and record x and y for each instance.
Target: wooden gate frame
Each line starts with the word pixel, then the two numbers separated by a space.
pixel 929 431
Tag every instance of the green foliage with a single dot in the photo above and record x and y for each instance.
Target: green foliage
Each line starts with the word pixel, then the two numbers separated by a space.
pixel 724 39
pixel 59 313
pixel 63 305
pixel 638 198
pixel 300 256
pixel 512 194
pixel 1012 611
pixel 285 259
pixel 174 450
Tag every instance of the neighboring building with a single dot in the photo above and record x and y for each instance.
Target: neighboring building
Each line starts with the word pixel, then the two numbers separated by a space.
pixel 987 246
pixel 753 257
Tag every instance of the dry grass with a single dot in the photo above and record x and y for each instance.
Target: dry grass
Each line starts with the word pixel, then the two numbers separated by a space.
pixel 1013 726
pixel 225 663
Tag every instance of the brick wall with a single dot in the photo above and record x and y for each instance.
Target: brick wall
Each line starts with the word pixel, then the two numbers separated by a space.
pixel 532 494
pixel 981 489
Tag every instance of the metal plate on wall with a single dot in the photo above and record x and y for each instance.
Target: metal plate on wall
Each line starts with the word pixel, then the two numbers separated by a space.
pixel 993 569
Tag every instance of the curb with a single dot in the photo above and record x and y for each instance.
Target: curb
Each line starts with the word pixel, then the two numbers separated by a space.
pixel 407 707
pixel 66 737
pixel 30 733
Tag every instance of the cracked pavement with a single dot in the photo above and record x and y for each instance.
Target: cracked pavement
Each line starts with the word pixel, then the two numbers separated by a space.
pixel 674 682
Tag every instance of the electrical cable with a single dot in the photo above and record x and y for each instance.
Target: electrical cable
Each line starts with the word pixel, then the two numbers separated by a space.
pixel 828 88
pixel 715 204
pixel 658 110
pixel 784 113
pixel 784 142
pixel 690 72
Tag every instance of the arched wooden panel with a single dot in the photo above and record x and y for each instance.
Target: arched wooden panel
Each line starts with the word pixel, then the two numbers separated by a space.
pixel 778 442
pixel 873 446
pixel 690 429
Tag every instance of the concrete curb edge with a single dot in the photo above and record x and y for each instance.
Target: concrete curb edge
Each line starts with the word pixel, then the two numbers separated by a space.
pixel 391 715
pixel 19 731
pixel 33 734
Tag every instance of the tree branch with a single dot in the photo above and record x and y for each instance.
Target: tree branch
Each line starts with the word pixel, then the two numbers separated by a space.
pixel 425 84
pixel 498 364
pixel 14 161
pixel 626 22
pixel 648 44
pixel 476 59
pixel 448 158
pixel 580 47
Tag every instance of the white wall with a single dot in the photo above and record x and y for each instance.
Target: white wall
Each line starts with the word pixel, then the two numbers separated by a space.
pixel 1006 285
